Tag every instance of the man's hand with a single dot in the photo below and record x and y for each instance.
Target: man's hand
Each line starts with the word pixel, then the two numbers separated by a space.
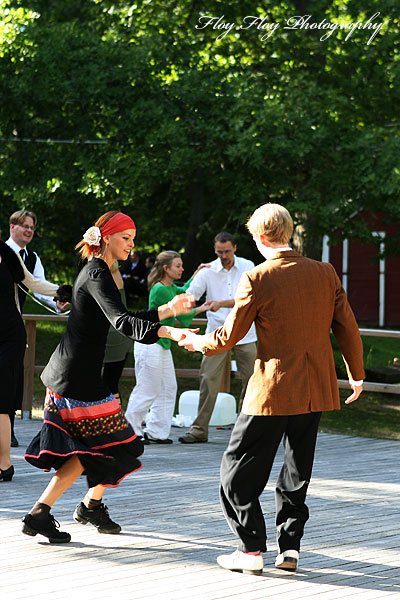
pixel 357 389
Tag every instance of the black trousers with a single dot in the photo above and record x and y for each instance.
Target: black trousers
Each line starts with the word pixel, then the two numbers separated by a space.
pixel 245 469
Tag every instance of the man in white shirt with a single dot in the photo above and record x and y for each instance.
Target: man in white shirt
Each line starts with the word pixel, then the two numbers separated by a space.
pixel 22 228
pixel 219 283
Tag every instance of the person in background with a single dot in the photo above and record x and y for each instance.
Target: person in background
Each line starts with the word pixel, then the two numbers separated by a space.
pixel 154 395
pixel 219 283
pixel 12 345
pixel 117 346
pixel 149 264
pixel 22 228
pixel 134 274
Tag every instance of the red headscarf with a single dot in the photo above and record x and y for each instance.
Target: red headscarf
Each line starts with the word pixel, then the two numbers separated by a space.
pixel 117 223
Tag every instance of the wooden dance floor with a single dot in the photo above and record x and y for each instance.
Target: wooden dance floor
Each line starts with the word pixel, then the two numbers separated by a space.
pixel 173 530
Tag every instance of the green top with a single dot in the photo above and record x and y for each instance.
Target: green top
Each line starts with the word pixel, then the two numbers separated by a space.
pixel 162 294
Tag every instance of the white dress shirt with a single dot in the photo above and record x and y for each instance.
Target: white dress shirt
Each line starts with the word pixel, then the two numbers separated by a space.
pixel 38 272
pixel 221 284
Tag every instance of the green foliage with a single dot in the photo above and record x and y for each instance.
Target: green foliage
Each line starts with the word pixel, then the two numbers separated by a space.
pixel 190 134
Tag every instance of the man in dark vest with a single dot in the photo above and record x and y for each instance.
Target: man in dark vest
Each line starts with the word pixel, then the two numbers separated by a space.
pixel 22 227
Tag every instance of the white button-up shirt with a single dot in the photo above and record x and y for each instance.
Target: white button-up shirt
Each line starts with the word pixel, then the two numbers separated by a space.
pixel 221 284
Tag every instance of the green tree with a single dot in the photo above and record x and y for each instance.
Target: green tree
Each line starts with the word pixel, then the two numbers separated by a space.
pixel 189 133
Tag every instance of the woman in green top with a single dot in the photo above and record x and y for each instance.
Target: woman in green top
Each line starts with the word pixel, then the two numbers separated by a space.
pixel 154 367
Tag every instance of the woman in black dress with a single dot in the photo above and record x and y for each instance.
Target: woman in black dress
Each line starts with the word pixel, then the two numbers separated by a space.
pixel 12 344
pixel 84 430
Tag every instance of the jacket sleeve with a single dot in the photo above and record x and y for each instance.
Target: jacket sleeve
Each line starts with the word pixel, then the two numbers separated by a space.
pixel 238 322
pixel 141 326
pixel 345 330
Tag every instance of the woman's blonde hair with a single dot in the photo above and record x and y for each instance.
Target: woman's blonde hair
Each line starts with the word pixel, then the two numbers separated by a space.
pixel 82 246
pixel 273 221
pixel 164 259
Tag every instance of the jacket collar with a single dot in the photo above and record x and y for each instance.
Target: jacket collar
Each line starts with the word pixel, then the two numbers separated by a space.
pixel 285 254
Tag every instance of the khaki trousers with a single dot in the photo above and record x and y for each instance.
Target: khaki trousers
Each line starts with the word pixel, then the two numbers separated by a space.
pixel 211 371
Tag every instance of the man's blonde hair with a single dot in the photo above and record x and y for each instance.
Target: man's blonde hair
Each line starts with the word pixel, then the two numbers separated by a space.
pixel 273 221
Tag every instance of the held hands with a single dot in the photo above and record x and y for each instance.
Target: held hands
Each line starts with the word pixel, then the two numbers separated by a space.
pixel 357 389
pixel 63 296
pixel 62 305
pixel 178 335
pixel 206 306
pixel 189 339
pixel 214 305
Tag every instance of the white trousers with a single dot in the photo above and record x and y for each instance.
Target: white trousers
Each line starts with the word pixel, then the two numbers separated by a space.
pixel 155 389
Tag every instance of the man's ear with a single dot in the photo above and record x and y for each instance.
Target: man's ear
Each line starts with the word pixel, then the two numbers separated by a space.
pixel 263 240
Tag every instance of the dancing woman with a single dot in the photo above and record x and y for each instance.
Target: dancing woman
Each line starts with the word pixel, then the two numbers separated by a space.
pixel 83 429
pixel 156 385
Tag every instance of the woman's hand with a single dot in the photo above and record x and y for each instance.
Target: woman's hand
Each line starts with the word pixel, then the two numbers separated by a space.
pixel 201 266
pixel 182 303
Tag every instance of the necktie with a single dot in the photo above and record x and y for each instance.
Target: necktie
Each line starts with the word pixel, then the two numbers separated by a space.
pixel 22 254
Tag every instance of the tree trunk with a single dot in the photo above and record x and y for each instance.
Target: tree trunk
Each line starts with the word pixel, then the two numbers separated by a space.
pixel 307 239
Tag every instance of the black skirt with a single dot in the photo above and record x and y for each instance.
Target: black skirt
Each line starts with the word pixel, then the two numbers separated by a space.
pixel 96 432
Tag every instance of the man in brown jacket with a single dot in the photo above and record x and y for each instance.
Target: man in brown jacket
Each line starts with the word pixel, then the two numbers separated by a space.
pixel 294 302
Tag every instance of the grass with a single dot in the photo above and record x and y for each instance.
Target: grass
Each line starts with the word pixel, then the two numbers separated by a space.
pixel 373 415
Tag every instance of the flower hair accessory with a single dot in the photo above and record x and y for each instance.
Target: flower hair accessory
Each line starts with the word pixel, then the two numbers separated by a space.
pixel 92 236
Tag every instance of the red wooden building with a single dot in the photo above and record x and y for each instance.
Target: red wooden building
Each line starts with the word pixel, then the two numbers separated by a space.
pixel 372 284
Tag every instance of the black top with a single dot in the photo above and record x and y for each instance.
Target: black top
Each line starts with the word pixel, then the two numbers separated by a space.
pixel 30 263
pixel 74 369
pixel 12 333
pixel 11 272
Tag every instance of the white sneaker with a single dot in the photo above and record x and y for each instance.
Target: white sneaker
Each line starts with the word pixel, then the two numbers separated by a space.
pixel 287 560
pixel 242 562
